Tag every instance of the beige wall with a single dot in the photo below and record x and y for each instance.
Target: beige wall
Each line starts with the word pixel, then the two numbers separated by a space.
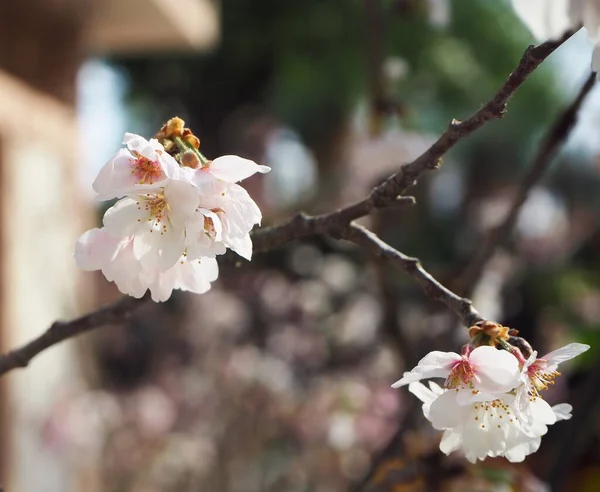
pixel 41 215
pixel 150 26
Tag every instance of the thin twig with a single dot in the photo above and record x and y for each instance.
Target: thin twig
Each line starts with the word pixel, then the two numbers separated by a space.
pixel 335 223
pixel 412 266
pixel 556 137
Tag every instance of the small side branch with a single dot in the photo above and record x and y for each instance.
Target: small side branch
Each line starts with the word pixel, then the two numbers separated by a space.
pixel 460 306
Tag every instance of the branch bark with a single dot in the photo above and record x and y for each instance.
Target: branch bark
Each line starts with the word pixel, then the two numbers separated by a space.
pixel 556 137
pixel 384 195
pixel 460 306
pixel 336 224
pixel 118 312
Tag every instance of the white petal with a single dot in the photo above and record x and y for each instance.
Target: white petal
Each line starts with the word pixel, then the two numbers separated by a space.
pixel 162 288
pixel 467 397
pixel 451 441
pixel 565 353
pixel 95 249
pixel 408 378
pixel 182 198
pixel 241 245
pixel 542 412
pixel 209 187
pixel 436 388
pixel 240 209
pixel 115 176
pixel 439 360
pixel 546 19
pixel 135 143
pixel 160 249
pixel 479 442
pixel 562 411
pixel 422 392
pixel 518 453
pixel 172 247
pixel 196 276
pixel 232 168
pixel 435 364
pixel 125 218
pixel 497 371
pixel 445 412
pixel 170 166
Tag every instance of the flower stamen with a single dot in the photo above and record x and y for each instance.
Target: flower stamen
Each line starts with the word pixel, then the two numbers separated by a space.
pixel 145 170
pixel 540 378
pixel 461 375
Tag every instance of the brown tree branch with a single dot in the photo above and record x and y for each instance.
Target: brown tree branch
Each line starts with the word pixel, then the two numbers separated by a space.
pixel 334 223
pixel 118 312
pixel 387 193
pixel 556 137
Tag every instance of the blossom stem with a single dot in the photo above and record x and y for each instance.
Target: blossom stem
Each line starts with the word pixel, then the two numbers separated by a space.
pixel 184 146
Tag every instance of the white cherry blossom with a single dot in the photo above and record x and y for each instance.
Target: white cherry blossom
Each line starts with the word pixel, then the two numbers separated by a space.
pixel 174 216
pixel 485 369
pixel 538 373
pixel 223 220
pixel 143 164
pixel 486 428
pixel 157 220
pixel 97 249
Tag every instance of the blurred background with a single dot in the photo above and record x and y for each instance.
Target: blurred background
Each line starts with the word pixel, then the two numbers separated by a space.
pixel 278 379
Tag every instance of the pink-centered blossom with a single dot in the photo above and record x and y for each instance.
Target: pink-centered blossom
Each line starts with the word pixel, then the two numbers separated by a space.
pixel 486 428
pixel 490 404
pixel 142 165
pixel 485 369
pixel 537 374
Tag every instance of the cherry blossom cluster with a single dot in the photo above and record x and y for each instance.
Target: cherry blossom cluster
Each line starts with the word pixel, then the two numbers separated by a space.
pixel 490 403
pixel 550 19
pixel 176 212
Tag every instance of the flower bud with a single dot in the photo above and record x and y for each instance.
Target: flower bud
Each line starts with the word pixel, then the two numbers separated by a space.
pixel 490 332
pixel 168 144
pixel 174 127
pixel 191 139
